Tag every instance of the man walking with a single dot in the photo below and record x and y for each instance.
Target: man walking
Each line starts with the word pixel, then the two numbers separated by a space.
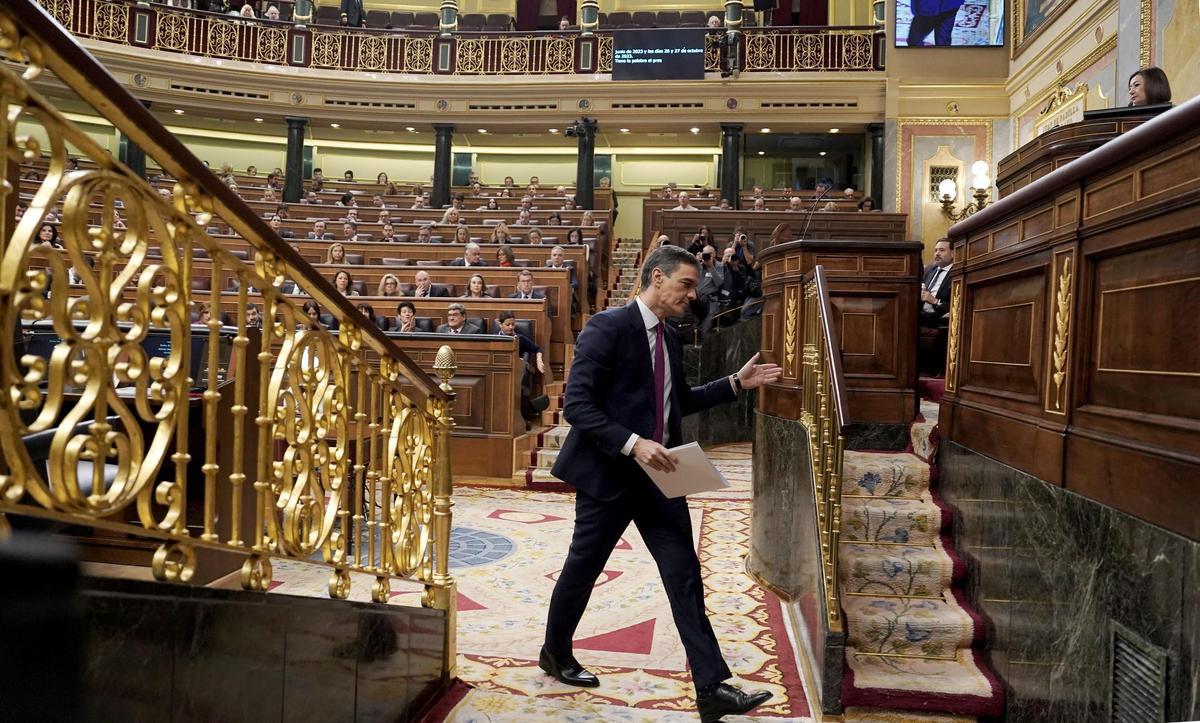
pixel 625 398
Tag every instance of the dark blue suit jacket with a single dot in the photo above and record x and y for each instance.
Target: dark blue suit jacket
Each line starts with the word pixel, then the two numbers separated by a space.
pixel 610 395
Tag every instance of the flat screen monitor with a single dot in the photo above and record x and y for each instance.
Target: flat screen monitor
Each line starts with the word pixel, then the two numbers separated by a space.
pixel 663 54
pixel 949 23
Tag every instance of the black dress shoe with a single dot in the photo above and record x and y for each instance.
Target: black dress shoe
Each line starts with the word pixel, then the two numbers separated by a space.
pixel 567 671
pixel 725 700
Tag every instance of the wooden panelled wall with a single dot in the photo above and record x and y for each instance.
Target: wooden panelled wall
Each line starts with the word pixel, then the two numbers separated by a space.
pixel 1074 350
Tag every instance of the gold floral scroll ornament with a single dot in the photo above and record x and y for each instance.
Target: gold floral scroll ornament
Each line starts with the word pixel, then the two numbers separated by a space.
pixel 955 329
pixel 790 331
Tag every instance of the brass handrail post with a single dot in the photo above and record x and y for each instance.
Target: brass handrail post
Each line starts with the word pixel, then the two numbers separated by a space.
pixel 442 593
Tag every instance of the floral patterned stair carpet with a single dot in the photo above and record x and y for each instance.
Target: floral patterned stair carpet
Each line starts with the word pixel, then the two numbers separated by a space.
pixel 912 640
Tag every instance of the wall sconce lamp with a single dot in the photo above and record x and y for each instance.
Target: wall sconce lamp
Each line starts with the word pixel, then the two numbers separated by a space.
pixel 980 185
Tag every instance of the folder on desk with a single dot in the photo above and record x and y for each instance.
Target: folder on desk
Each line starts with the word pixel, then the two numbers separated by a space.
pixel 694 473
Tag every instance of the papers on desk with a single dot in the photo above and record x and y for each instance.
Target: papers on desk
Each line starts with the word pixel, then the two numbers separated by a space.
pixel 694 473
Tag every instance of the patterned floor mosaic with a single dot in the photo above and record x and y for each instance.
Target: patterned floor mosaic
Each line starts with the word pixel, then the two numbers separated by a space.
pixel 508 547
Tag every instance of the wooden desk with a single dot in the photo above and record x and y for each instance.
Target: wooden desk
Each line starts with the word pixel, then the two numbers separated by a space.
pixel 875 292
pixel 1074 342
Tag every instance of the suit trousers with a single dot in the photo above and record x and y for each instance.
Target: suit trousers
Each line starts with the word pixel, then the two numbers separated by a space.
pixel 666 527
pixel 942 26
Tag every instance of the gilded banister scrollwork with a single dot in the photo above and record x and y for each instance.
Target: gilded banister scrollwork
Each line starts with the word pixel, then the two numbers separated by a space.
pixel 321 447
pixel 799 49
pixel 823 409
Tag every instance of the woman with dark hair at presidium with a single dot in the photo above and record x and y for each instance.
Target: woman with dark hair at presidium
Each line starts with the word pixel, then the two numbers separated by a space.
pixel 1149 86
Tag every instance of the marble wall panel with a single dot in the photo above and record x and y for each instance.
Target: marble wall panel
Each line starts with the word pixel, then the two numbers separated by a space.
pixel 1052 571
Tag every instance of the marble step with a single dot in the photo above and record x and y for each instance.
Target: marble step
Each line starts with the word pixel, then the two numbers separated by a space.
pixel 553 438
pixel 884 474
pixel 544 458
pixel 884 570
pixel 908 626
pixel 891 519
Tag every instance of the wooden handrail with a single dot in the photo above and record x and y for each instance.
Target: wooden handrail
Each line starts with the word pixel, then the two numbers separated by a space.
pixel 833 346
pixel 82 73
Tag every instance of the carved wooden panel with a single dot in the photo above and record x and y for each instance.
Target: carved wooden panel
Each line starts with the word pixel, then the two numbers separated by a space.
pixel 869 327
pixel 1003 348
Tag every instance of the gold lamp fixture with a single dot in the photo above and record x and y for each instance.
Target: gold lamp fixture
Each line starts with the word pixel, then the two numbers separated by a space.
pixel 981 186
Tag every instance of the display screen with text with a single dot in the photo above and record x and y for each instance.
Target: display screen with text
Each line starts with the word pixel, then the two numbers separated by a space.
pixel 658 54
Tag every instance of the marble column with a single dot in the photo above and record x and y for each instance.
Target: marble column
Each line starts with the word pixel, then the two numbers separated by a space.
pixel 731 161
pixel 585 165
pixel 876 136
pixel 589 17
pixel 293 184
pixel 442 160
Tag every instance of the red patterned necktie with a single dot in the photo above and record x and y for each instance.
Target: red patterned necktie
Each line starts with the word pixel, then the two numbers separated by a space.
pixel 660 382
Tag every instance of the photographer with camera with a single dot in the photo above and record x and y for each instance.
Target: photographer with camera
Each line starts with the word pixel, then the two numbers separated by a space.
pixel 703 237
pixel 708 291
pixel 744 252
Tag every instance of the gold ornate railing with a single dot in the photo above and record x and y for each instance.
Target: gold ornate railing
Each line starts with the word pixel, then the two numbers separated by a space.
pixel 175 30
pixel 823 414
pixel 320 447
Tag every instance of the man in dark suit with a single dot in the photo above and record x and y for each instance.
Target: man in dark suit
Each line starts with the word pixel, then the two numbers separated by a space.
pixel 456 321
pixel 935 305
pixel 936 16
pixel 471 257
pixel 525 287
pixel 625 398
pixel 423 286
pixel 352 14
pixel 935 285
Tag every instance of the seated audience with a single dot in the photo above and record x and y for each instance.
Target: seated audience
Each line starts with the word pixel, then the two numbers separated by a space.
pixel 343 282
pixel 534 236
pixel 319 231
pixel 406 317
pixel 385 216
pixel 313 311
pixel 424 235
pixel 203 313
pixel 491 205
pixel 471 257
pixel 476 288
pixel 462 235
pixel 423 286
pixel 450 217
pixel 253 317
pixel 389 285
pixel 348 176
pixel 795 204
pixel 531 406
pixel 456 321
pixel 554 219
pixel 347 200
pixel 523 218
pixel 388 233
pixel 500 234
pixel 381 179
pixel 48 235
pixel 935 309
pixel 504 256
pixel 350 231
pixel 587 219
pixel 685 203
pixel 276 224
pixel 574 237
pixel 866 205
pixel 557 260
pixel 336 254
pixel 525 288
pixel 1149 86
pixel 760 204
pixel 366 310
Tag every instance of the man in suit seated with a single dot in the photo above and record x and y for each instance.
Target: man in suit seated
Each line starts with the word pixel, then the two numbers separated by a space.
pixel 471 256
pixel 525 287
pixel 424 234
pixel 625 401
pixel 557 260
pixel 424 286
pixel 935 305
pixel 319 231
pixel 456 321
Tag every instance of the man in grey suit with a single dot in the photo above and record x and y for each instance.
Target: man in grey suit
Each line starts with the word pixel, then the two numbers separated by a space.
pixel 456 321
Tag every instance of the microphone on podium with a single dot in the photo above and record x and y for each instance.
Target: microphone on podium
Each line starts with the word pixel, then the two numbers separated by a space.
pixel 809 216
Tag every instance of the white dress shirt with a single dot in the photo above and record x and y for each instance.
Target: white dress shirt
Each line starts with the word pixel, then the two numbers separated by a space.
pixel 651 321
pixel 939 278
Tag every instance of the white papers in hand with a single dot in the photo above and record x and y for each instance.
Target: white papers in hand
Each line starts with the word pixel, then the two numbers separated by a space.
pixel 693 473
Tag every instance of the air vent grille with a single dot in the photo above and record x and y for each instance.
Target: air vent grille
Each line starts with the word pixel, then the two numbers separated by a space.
pixel 812 104
pixel 513 106
pixel 657 105
pixel 224 92
pixel 341 103
pixel 1139 678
